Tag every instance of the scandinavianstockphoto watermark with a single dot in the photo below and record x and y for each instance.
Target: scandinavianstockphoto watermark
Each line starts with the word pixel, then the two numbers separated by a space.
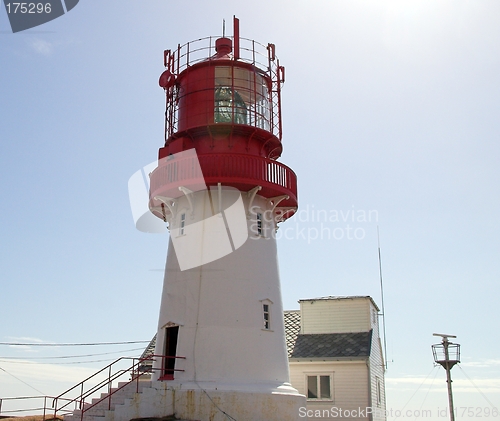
pixel 314 224
pixel 209 237
pixel 471 412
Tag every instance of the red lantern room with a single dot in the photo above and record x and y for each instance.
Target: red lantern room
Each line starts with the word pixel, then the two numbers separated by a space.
pixel 223 99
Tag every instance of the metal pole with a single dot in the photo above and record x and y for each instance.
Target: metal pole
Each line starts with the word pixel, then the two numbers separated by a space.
pixel 448 378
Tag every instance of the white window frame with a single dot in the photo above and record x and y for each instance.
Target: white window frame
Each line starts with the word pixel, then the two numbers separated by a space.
pixel 378 391
pixel 260 224
pixel 182 224
pixel 267 315
pixel 318 376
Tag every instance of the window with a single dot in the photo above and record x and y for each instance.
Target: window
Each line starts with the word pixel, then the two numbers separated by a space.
pixel 259 224
pixel 229 106
pixel 267 318
pixel 319 387
pixel 242 97
pixel 183 224
pixel 266 314
pixel 379 391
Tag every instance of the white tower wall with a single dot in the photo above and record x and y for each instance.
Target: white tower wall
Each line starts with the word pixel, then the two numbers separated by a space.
pixel 219 306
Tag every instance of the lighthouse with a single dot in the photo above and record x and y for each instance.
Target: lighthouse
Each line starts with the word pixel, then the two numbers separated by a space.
pixel 220 345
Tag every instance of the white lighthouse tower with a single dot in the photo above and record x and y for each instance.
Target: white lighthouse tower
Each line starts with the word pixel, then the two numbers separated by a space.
pixel 220 347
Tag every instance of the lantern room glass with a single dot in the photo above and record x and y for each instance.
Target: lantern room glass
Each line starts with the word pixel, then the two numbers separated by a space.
pixel 241 96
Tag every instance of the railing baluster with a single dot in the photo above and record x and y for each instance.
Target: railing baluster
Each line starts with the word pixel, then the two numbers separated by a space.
pixel 215 168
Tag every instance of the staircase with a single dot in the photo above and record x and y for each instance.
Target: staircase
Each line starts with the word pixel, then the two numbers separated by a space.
pixel 101 408
pixel 128 401
pixel 95 395
pixel 95 398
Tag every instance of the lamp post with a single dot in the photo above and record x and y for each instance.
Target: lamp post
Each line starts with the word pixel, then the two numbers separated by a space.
pixel 447 354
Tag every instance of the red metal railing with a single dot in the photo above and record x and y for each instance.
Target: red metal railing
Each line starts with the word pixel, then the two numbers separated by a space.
pixel 262 57
pixel 86 388
pixel 241 171
pixel 166 372
pixel 37 405
pixel 82 396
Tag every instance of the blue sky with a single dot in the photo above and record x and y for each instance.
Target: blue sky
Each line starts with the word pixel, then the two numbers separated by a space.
pixel 389 106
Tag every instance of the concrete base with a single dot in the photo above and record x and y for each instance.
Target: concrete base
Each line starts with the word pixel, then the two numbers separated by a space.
pixel 188 402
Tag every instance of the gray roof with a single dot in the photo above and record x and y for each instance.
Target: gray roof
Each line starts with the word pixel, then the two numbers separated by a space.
pixel 292 328
pixel 332 345
pixel 150 349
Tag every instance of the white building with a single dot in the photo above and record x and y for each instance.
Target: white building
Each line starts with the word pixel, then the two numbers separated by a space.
pixel 335 357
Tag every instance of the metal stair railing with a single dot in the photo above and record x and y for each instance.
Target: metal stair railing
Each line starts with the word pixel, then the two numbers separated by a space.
pixel 79 397
pixel 86 389
pixel 36 404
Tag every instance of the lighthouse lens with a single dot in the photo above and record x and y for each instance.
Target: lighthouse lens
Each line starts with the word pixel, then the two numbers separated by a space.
pixel 229 106
pixel 241 97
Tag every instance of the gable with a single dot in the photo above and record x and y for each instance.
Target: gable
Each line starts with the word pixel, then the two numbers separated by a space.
pixel 336 314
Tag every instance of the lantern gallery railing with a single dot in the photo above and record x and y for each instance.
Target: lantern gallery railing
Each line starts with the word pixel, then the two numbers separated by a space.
pixel 241 171
pixel 194 52
pixel 259 90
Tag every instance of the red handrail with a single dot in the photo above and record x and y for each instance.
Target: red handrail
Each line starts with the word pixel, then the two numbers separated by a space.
pixel 79 401
pixel 62 404
pixel 229 169
pixel 38 404
pixel 74 398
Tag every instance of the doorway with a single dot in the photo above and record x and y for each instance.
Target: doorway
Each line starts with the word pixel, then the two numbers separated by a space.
pixel 170 351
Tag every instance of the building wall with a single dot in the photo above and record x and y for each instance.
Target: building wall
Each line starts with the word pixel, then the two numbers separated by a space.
pixel 357 384
pixel 377 368
pixel 350 393
pixel 335 316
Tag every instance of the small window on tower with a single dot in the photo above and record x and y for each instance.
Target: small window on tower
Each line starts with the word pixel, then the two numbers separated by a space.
pixel 183 224
pixel 259 224
pixel 266 313
pixel 267 319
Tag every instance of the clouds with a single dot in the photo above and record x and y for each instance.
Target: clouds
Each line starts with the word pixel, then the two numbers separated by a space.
pixel 489 363
pixel 42 47
pixel 459 385
pixel 462 382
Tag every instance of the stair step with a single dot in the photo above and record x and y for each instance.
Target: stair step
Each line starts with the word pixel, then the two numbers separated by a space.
pixel 94 413
pixel 101 409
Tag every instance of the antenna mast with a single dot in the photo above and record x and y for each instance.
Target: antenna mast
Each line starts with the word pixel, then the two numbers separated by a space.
pixel 382 294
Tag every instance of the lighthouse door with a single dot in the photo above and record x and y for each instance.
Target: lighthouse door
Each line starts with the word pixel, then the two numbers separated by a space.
pixel 171 334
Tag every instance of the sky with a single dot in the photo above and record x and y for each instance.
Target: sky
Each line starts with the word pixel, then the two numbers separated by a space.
pixel 390 121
